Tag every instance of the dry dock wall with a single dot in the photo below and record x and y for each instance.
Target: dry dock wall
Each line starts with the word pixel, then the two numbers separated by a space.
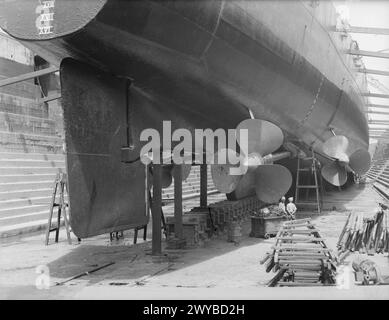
pixel 30 145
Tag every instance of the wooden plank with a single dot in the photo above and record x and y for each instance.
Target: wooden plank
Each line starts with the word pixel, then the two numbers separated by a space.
pixel 297 221
pixel 371 71
pixel 301 248
pixel 368 30
pixel 306 260
pixel 52 97
pixel 368 53
pixel 299 257
pixel 378 106
pixel 307 273
pixel 301 267
pixel 296 225
pixel 379 122
pixel 375 95
pixel 297 231
pixel 303 254
pixel 377 112
pixel 300 284
pixel 302 239
pixel 27 76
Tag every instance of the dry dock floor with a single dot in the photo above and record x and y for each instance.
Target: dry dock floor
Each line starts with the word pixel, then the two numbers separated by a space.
pixel 218 270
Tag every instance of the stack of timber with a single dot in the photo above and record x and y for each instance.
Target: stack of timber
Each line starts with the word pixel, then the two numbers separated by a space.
pixel 365 235
pixel 300 257
pixel 223 213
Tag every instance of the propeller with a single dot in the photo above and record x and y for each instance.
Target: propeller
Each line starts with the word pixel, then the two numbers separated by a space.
pixel 337 148
pixel 335 173
pixel 168 169
pixel 168 173
pixel 253 172
pixel 223 180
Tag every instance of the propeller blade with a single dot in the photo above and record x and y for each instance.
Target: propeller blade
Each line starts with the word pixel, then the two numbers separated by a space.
pixel 334 173
pixel 168 172
pixel 244 188
pixel 185 170
pixel 360 161
pixel 336 147
pixel 264 137
pixel 272 181
pixel 223 180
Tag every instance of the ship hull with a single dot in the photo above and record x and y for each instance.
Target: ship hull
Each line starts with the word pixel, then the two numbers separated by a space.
pixel 209 64
pixel 232 55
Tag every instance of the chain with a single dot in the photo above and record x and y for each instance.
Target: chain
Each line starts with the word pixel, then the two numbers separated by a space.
pixel 314 102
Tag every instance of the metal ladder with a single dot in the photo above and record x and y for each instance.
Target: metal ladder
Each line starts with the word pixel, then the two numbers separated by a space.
pixel 317 186
pixel 60 186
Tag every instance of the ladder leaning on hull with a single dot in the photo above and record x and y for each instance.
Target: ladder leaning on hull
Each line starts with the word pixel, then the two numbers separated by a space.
pixel 317 185
pixel 60 187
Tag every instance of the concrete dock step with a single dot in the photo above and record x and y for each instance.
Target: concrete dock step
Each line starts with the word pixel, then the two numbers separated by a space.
pixel 25 194
pixel 19 202
pixel 26 124
pixel 22 228
pixel 32 156
pixel 11 163
pixel 26 186
pixel 29 143
pixel 29 170
pixel 15 211
pixel 30 185
pixel 16 220
pixel 28 178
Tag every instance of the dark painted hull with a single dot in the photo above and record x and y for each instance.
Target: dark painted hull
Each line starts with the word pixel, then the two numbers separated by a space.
pixel 194 53
pixel 208 62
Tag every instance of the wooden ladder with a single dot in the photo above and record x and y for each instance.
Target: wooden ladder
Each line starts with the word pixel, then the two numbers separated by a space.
pixel 59 189
pixel 317 185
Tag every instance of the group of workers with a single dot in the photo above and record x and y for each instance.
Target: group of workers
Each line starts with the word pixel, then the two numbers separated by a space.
pixel 289 209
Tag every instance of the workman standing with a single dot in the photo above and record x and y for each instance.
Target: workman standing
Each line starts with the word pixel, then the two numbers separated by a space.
pixel 281 205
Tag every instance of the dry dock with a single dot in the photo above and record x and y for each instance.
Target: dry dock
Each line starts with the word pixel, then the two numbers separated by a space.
pixel 217 270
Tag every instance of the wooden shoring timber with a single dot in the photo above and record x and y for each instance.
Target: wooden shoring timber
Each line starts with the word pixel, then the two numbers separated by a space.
pixel 366 53
pixel 302 248
pixel 301 284
pixel 378 72
pixel 296 222
pixel 305 267
pixel 301 253
pixel 307 273
pixel 298 257
pixel 295 225
pixel 366 30
pixel 300 231
pixel 315 261
pixel 27 76
pixel 375 95
pixel 302 239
